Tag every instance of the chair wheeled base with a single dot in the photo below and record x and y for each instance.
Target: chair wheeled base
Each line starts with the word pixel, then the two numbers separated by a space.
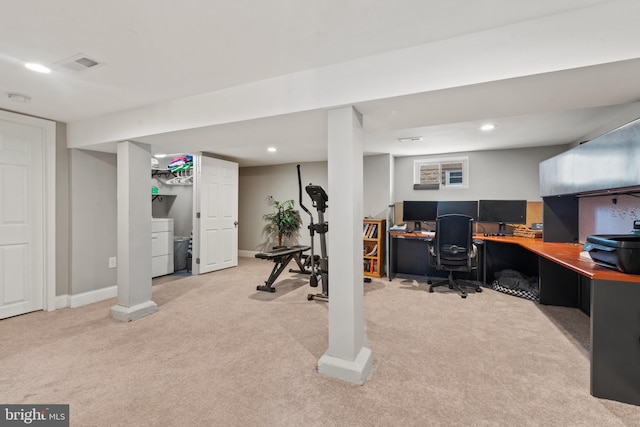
pixel 456 284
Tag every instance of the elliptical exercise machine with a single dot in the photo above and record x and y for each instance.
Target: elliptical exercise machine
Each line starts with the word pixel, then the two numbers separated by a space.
pixel 319 265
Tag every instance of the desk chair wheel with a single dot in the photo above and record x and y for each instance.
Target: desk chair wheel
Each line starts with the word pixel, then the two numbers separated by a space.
pixel 478 289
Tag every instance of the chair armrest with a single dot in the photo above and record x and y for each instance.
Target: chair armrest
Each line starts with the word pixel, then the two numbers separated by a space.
pixel 431 252
pixel 474 251
pixel 473 257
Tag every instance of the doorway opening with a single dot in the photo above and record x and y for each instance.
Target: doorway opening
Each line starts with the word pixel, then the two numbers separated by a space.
pixel 172 195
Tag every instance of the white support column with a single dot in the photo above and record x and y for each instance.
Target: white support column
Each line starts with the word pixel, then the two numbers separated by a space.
pixel 134 233
pixel 347 357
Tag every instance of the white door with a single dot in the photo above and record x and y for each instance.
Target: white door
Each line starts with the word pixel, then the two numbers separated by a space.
pixel 22 266
pixel 218 215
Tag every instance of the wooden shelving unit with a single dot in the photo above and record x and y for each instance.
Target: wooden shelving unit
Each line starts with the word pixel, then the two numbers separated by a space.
pixel 374 233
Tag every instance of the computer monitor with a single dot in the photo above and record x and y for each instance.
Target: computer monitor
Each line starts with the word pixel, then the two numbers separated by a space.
pixel 469 208
pixel 418 211
pixel 503 212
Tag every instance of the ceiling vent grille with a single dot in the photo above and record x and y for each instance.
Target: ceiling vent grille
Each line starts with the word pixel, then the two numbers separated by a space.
pixel 79 62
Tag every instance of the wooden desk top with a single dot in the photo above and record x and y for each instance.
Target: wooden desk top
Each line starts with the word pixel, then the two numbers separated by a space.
pixel 565 254
pixel 412 235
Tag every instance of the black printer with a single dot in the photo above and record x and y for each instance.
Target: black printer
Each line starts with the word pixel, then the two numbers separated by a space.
pixel 617 251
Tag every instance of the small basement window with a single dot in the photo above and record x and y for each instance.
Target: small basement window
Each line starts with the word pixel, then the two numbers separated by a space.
pixel 435 174
pixel 453 178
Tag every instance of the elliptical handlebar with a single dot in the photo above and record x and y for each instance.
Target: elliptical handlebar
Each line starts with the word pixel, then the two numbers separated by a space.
pixel 300 195
pixel 319 265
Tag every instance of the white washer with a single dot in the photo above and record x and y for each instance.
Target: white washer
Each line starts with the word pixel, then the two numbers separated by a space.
pixel 161 246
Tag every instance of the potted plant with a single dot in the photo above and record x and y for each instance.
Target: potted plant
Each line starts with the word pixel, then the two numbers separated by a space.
pixel 285 221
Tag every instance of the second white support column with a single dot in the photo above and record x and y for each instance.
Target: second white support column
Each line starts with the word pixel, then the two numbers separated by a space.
pixel 347 358
pixel 134 233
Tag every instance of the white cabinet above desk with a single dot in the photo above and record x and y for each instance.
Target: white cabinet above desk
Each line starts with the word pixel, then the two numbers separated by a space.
pixel 161 246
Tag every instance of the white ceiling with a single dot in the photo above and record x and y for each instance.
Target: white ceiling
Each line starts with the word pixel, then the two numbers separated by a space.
pixel 152 52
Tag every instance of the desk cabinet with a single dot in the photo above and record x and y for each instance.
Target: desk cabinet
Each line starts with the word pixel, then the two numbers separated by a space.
pixel 558 285
pixel 409 254
pixel 615 331
pixel 374 234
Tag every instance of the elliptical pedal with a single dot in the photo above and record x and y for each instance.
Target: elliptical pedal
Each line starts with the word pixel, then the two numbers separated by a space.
pixel 320 297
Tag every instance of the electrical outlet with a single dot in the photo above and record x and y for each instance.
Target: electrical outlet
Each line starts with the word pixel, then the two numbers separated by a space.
pixel 112 262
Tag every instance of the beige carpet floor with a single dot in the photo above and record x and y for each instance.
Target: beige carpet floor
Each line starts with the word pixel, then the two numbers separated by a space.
pixel 220 353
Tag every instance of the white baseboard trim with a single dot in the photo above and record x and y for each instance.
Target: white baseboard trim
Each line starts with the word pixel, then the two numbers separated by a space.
pixel 73 301
pixel 247 254
pixel 62 301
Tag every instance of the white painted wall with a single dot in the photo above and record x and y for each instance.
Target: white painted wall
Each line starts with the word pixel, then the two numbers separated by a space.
pixel 181 210
pixel 281 182
pixel 377 185
pixel 62 210
pixel 92 202
pixel 92 218
pixel 92 208
pixel 498 174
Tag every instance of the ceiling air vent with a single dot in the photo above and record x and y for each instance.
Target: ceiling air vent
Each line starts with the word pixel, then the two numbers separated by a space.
pixel 79 62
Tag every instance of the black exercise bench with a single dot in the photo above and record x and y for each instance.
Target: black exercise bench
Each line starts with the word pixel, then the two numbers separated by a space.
pixel 282 256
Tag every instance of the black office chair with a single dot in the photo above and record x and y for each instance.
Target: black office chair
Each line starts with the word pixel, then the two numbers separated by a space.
pixel 453 249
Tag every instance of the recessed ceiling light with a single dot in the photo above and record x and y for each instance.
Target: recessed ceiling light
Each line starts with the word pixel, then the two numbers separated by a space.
pixel 160 156
pixel 272 149
pixel 487 127
pixel 16 97
pixel 37 67
pixel 411 139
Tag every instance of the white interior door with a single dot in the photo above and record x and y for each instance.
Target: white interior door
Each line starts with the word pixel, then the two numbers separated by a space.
pixel 217 191
pixel 22 266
